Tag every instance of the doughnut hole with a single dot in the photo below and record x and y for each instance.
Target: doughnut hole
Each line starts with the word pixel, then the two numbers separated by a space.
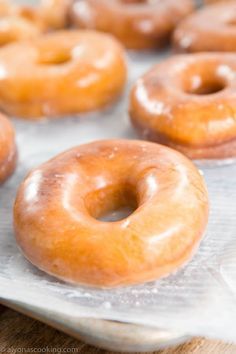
pixel 206 87
pixel 112 203
pixel 53 57
pixel 202 81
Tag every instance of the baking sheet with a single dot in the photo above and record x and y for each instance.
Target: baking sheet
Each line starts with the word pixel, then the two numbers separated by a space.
pixel 199 300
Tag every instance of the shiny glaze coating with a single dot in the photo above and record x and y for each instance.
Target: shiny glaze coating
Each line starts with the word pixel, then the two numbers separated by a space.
pixel 189 103
pixel 61 73
pixel 7 148
pixel 18 23
pixel 55 13
pixel 210 29
pixel 139 24
pixel 58 204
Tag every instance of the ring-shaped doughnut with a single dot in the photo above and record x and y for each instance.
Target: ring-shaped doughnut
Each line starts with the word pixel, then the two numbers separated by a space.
pixel 211 29
pixel 189 103
pixel 58 205
pixel 138 24
pixel 18 23
pixel 61 73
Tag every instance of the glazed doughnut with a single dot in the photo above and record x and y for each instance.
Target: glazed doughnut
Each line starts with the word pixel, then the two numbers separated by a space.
pixel 59 204
pixel 210 29
pixel 15 28
pixel 139 24
pixel 55 13
pixel 61 73
pixel 18 23
pixel 7 148
pixel 189 103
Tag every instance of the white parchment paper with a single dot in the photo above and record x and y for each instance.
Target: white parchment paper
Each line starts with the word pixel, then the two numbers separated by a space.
pixel 199 300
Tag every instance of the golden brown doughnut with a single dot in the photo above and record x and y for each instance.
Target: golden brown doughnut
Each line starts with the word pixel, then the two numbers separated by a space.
pixel 7 148
pixel 189 103
pixel 61 73
pixel 139 24
pixel 58 205
pixel 212 28
pixel 55 13
pixel 18 23
pixel 15 28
